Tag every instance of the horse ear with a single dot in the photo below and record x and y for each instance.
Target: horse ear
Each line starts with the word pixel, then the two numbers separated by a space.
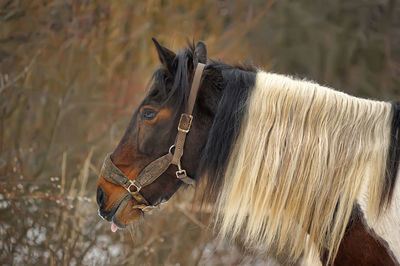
pixel 166 56
pixel 200 53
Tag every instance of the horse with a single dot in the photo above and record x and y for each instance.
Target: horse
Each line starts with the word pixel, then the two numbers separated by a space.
pixel 304 172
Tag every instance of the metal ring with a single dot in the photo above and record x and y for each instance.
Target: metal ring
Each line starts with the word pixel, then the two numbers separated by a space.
pixel 180 173
pixel 135 184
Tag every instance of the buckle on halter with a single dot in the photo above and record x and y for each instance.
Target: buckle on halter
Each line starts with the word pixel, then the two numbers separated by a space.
pixel 185 122
pixel 181 174
pixel 135 184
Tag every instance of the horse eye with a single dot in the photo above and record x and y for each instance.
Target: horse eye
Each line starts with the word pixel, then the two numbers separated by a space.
pixel 148 114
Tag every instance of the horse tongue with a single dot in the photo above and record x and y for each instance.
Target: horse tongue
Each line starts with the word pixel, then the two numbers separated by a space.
pixel 114 228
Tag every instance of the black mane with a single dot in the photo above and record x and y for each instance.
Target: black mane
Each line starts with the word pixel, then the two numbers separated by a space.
pixel 392 162
pixel 237 85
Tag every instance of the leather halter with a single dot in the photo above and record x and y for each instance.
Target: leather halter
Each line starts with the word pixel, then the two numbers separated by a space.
pixel 156 168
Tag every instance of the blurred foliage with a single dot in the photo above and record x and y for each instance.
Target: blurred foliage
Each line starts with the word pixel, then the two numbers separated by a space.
pixel 72 73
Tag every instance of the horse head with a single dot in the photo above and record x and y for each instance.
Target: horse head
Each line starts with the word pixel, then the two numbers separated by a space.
pixel 151 133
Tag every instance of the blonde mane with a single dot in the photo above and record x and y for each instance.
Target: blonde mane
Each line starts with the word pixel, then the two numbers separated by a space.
pixel 296 169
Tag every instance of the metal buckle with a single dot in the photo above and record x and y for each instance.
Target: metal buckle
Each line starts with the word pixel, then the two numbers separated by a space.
pixel 181 122
pixel 135 184
pixel 180 174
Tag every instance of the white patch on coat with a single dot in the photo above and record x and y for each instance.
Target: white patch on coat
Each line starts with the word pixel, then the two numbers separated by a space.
pixel 387 225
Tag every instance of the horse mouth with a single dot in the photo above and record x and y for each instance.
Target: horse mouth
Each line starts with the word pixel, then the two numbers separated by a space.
pixel 124 214
pixel 115 225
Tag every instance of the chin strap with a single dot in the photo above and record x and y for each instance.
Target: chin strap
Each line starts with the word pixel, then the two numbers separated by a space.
pixel 156 168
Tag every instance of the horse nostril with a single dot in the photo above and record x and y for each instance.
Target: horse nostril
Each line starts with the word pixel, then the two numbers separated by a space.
pixel 100 197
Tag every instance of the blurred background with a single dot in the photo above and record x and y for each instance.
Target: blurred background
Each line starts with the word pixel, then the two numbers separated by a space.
pixel 72 73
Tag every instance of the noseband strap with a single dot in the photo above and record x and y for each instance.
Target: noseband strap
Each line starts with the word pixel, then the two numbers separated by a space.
pixel 156 168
